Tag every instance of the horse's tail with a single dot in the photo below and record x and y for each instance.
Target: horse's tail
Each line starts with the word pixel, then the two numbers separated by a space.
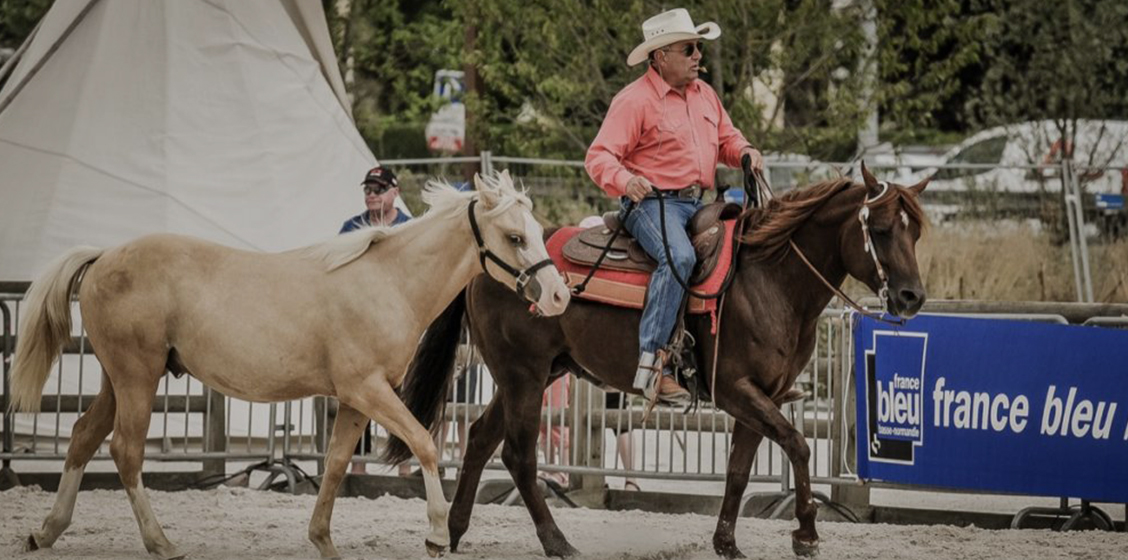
pixel 46 326
pixel 425 387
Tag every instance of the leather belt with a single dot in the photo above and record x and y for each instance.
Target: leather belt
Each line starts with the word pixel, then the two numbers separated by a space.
pixel 692 191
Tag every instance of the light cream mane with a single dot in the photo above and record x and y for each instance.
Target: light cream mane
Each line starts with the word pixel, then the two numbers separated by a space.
pixel 443 200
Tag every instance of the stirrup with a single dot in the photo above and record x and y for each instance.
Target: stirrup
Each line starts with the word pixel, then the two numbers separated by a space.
pixel 649 367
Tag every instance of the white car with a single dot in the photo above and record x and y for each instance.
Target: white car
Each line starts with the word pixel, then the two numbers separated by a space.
pixel 1026 157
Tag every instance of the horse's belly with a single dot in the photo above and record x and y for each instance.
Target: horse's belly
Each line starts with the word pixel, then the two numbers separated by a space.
pixel 260 384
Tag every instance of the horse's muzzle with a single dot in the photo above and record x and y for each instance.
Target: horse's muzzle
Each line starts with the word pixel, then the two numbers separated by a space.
pixel 906 302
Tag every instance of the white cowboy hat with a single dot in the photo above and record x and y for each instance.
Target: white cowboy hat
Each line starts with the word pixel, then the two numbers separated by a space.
pixel 668 28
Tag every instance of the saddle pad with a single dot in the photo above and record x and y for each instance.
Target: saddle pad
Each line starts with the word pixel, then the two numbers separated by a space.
pixel 628 289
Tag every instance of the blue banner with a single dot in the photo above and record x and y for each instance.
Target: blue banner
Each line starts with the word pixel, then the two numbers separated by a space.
pixel 986 404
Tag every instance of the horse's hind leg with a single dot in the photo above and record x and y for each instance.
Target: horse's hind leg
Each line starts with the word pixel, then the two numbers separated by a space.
pixel 745 442
pixel 134 389
pixel 485 435
pixel 88 433
pixel 750 406
pixel 346 431
pixel 378 401
pixel 522 422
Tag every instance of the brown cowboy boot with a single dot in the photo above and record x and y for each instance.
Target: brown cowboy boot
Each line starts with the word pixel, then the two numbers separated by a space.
pixel 670 392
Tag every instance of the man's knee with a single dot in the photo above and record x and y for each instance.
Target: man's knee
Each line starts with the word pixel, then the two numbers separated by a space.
pixel 683 260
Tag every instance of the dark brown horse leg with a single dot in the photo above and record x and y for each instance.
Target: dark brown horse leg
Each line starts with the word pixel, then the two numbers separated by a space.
pixel 745 442
pixel 485 435
pixel 522 421
pixel 748 404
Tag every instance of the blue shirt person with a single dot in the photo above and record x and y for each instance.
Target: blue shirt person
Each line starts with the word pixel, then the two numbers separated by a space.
pixel 380 191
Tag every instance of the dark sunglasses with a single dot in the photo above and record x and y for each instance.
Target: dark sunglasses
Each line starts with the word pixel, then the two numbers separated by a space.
pixel 688 49
pixel 377 189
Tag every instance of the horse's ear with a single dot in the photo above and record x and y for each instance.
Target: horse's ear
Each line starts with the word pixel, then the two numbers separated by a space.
pixel 919 187
pixel 506 180
pixel 487 193
pixel 872 185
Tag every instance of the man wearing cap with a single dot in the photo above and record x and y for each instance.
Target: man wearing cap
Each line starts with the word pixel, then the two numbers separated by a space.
pixel 380 191
pixel 665 131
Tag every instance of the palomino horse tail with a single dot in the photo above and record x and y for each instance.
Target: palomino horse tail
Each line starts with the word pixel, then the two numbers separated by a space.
pixel 425 387
pixel 46 325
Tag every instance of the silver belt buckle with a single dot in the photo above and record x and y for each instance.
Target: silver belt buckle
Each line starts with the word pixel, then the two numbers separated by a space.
pixel 692 191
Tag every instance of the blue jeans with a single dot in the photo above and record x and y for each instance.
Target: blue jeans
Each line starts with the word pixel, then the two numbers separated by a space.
pixel 664 295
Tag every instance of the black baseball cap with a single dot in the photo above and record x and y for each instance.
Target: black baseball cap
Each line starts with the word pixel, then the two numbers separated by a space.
pixel 380 176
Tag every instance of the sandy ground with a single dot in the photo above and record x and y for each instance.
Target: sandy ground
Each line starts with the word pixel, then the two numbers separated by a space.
pixel 240 523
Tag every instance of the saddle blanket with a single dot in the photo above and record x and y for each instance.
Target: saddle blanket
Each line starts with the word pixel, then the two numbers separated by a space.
pixel 628 289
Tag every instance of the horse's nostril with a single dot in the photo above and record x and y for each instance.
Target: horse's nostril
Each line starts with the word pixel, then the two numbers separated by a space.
pixel 910 296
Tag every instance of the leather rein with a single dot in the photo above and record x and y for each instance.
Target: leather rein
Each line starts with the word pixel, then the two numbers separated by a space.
pixel 883 292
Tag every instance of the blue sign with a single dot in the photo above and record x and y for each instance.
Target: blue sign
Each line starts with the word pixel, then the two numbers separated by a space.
pixel 1110 201
pixel 985 404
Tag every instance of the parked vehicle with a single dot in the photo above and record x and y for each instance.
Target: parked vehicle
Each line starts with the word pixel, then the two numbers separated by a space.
pixel 1026 157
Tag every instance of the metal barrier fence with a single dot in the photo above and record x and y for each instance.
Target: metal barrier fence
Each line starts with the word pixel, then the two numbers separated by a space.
pixel 580 437
pixel 583 433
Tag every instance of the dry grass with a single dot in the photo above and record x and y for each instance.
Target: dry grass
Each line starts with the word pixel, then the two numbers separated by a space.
pixel 1014 262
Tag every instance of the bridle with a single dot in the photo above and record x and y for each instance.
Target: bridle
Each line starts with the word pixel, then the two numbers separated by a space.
pixel 868 246
pixel 524 278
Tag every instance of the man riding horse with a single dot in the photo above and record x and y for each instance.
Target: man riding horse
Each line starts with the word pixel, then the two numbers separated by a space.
pixel 665 131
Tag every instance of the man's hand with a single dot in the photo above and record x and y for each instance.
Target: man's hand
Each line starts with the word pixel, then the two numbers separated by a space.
pixel 638 187
pixel 757 158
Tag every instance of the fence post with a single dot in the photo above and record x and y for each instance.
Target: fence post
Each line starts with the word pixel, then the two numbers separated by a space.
pixel 324 414
pixel 1078 246
pixel 215 426
pixel 8 477
pixel 587 407
pixel 1082 240
pixel 487 162
pixel 844 427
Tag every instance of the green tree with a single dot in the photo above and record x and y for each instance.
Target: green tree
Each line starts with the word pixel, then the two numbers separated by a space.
pixel 18 18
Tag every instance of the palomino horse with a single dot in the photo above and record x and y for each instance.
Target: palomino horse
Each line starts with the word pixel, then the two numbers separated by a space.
pixel 767 334
pixel 339 319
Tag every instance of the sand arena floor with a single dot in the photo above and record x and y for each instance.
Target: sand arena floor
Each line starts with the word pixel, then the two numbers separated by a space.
pixel 239 523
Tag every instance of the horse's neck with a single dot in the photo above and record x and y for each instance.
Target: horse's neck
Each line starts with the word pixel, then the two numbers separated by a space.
pixel 432 258
pixel 818 239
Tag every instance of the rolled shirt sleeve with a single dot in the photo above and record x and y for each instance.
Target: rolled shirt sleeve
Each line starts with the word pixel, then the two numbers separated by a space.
pixel 618 136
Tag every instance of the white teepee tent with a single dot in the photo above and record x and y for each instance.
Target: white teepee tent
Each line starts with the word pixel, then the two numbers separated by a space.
pixel 221 119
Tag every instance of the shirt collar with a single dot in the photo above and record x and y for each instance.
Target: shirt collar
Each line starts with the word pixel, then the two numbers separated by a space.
pixel 661 87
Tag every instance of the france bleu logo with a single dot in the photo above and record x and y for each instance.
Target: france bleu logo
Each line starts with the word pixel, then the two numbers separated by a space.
pixel 895 395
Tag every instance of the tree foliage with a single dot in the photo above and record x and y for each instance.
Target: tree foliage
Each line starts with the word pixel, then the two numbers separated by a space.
pixel 548 70
pixel 1060 60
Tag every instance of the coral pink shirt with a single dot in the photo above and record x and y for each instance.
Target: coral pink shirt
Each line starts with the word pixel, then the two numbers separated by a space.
pixel 672 140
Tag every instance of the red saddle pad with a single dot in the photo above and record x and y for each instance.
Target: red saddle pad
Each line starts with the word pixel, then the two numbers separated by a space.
pixel 628 289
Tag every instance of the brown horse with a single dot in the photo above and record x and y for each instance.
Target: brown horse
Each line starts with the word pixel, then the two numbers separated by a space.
pixel 767 334
pixel 340 319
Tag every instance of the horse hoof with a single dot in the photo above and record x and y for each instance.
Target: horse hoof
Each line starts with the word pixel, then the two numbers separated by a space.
pixel 565 551
pixel 729 552
pixel 31 545
pixel 805 549
pixel 434 550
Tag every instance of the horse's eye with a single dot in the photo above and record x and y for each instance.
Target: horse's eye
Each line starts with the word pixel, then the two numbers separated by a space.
pixel 516 240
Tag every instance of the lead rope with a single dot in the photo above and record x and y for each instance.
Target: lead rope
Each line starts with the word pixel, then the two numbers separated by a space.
pixel 754 183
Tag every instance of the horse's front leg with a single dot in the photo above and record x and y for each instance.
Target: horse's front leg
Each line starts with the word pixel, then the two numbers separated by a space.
pixel 748 404
pixel 377 400
pixel 346 431
pixel 745 443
